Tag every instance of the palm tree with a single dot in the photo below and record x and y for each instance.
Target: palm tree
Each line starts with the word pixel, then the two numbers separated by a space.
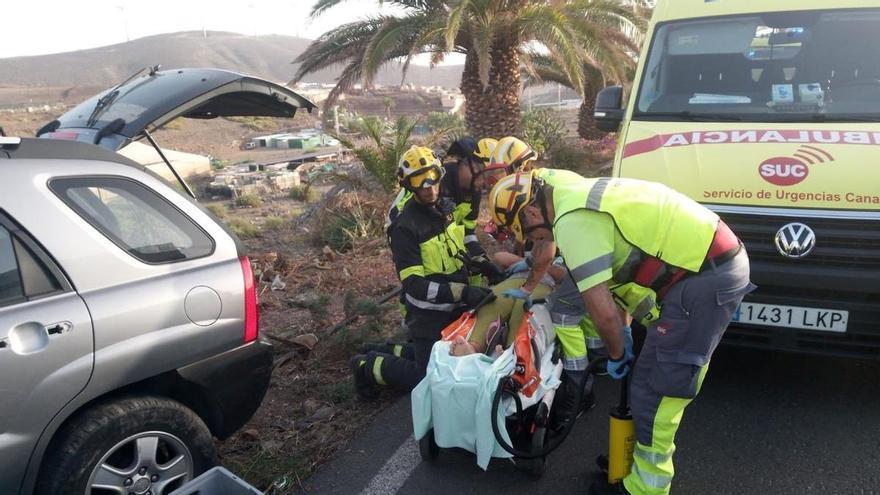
pixel 385 144
pixel 609 57
pixel 494 36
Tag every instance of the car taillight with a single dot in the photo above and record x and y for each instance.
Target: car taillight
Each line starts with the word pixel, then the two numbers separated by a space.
pixel 251 312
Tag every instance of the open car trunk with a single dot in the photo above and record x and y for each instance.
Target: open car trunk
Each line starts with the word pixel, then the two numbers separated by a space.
pixel 115 117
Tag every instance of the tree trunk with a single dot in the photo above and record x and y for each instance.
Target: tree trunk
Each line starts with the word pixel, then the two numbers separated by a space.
pixel 494 111
pixel 593 81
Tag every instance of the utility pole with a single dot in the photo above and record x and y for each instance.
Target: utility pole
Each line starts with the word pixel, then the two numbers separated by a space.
pixel 121 9
pixel 558 96
pixel 252 6
pixel 530 98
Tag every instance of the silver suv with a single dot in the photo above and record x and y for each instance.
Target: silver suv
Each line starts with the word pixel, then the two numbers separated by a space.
pixel 128 314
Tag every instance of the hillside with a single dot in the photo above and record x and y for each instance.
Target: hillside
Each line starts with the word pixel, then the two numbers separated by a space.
pixel 36 78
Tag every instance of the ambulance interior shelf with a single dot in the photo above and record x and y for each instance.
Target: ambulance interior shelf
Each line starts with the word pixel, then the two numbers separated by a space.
pixel 753 65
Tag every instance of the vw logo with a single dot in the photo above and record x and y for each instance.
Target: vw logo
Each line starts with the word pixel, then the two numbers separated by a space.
pixel 795 240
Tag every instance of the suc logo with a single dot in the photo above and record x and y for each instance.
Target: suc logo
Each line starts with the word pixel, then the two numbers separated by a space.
pixel 784 171
pixel 791 170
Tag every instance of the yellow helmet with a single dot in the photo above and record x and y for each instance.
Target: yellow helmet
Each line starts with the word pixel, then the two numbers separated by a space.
pixel 507 199
pixel 510 155
pixel 419 168
pixel 485 148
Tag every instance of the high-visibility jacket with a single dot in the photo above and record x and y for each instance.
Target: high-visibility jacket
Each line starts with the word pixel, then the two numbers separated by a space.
pixel 466 211
pixel 427 247
pixel 557 177
pixel 649 221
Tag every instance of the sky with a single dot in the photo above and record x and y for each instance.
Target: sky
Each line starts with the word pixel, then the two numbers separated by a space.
pixel 36 27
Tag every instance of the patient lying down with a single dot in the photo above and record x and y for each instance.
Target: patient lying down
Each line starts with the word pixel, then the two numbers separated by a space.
pixel 504 313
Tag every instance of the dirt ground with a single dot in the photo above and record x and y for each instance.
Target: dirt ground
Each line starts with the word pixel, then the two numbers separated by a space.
pixel 310 410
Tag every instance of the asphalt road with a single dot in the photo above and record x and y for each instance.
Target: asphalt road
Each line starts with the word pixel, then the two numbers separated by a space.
pixel 764 423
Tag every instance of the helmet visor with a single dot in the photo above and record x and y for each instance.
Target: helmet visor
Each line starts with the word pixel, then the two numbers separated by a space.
pixel 424 178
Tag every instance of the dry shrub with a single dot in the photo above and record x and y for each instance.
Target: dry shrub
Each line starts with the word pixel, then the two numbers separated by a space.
pixel 351 217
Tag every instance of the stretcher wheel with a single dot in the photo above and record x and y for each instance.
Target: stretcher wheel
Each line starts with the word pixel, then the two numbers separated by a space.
pixel 428 448
pixel 536 467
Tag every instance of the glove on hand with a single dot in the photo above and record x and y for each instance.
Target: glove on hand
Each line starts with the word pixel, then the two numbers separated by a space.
pixel 619 368
pixel 472 296
pixel 519 266
pixel 486 268
pixel 518 293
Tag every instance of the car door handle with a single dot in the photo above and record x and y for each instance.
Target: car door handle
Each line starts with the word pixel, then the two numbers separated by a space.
pixel 59 328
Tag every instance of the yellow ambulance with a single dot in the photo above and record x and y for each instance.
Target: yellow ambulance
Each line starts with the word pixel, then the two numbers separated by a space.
pixel 768 112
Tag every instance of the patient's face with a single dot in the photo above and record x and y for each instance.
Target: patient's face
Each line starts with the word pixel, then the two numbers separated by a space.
pixel 533 225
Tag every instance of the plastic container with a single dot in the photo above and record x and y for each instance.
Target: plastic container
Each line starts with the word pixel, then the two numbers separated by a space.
pixel 217 481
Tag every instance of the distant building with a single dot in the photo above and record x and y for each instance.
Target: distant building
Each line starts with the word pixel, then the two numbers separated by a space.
pixel 307 139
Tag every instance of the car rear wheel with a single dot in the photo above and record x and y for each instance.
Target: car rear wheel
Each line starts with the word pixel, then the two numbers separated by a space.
pixel 135 445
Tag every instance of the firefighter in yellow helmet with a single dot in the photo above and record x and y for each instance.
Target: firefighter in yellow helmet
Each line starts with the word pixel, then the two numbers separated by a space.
pixel 614 231
pixel 429 254
pixel 485 148
pixel 510 155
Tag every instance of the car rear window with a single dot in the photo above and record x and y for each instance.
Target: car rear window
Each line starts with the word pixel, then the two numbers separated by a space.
pixel 22 275
pixel 135 218
pixel 11 289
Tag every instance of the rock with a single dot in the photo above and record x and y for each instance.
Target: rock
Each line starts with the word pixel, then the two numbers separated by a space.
pixel 308 340
pixel 323 414
pixel 310 406
pixel 250 435
pixel 328 253
pixel 277 283
pixel 271 445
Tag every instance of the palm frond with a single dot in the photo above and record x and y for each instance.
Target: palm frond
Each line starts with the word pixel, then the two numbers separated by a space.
pixel 338 46
pixel 453 24
pixel 551 27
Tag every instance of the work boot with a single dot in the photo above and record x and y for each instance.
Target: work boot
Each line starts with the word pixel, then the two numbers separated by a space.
pixel 362 376
pixel 404 351
pixel 600 486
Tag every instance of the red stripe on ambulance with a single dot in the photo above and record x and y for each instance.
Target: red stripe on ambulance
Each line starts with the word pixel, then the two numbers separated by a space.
pixel 750 137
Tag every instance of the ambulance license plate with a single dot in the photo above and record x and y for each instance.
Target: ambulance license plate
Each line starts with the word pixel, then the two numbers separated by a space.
pixel 825 320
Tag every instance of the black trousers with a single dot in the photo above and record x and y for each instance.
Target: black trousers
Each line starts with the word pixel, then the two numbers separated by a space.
pixel 405 374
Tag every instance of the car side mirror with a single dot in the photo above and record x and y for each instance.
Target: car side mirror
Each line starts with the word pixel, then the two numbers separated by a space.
pixel 608 112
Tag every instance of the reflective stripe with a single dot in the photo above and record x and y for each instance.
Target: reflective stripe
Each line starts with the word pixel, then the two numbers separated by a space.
pixel 592 267
pixel 377 370
pixel 428 305
pixel 398 350
pixel 595 343
pixel 575 364
pixel 656 481
pixel 594 199
pixel 565 320
pixel 409 271
pixel 652 457
pixel 643 308
pixel 470 238
pixel 628 270
pixel 433 290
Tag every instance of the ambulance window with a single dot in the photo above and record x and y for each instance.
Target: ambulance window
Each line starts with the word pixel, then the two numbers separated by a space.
pixel 785 66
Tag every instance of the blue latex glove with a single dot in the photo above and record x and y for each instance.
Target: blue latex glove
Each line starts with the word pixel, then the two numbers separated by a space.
pixel 519 266
pixel 518 293
pixel 619 368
